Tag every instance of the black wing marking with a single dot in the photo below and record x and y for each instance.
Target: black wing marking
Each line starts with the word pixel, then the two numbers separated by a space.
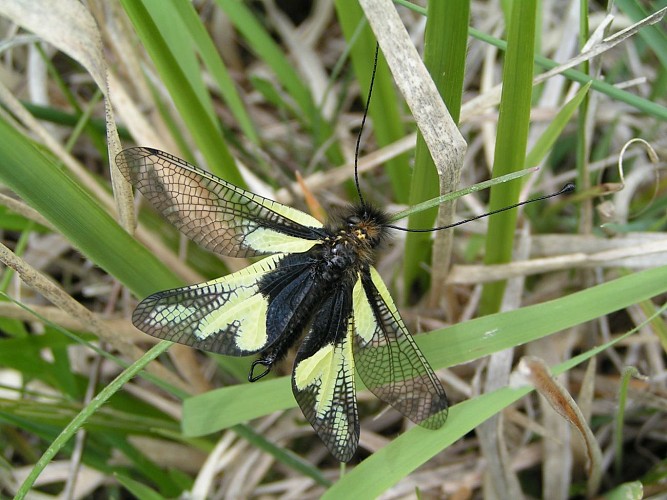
pixel 323 377
pixel 227 315
pixel 388 360
pixel 214 213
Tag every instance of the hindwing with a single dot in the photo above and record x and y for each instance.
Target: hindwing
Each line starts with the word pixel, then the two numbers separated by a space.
pixel 323 376
pixel 387 358
pixel 214 213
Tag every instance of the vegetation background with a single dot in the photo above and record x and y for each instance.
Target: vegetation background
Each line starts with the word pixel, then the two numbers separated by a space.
pixel 270 94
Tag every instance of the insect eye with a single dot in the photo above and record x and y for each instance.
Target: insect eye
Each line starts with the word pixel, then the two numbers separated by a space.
pixel 353 220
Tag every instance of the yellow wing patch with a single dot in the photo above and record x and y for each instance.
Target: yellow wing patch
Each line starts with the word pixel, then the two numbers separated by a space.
pixel 322 371
pixel 291 213
pixel 249 312
pixel 227 315
pixel 266 240
pixel 364 319
pixel 323 385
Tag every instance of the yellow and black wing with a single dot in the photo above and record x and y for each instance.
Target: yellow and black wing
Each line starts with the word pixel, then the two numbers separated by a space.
pixel 323 376
pixel 387 358
pixel 218 215
pixel 226 315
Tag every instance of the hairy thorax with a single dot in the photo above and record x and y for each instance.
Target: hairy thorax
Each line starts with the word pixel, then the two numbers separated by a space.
pixel 353 237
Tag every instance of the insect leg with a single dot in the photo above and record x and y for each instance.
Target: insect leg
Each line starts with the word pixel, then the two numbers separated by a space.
pixel 266 362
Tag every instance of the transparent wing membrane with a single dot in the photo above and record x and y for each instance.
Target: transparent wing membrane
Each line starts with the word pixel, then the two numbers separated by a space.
pixel 214 213
pixel 388 360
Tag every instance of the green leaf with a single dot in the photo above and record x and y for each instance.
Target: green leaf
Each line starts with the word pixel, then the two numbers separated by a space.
pixel 211 58
pixel 137 489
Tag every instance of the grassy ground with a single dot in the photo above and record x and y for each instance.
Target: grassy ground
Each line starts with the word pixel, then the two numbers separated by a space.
pixel 546 325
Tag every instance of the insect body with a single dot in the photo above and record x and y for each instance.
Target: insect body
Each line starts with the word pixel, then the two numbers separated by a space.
pixel 319 279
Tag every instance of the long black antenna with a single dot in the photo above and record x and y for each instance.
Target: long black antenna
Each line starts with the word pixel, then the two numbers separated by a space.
pixel 361 129
pixel 568 188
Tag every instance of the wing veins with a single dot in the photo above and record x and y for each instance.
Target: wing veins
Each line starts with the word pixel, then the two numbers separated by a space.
pixel 389 361
pixel 214 213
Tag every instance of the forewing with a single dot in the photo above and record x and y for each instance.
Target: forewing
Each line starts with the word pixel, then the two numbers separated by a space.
pixel 214 213
pixel 323 377
pixel 226 315
pixel 387 358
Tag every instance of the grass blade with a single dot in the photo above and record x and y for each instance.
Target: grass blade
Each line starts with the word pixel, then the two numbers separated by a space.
pixel 445 46
pixel 511 141
pixel 168 43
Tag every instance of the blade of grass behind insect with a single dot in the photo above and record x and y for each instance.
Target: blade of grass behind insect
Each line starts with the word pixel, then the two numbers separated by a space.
pixel 57 116
pixel 169 45
pixel 445 48
pixel 460 343
pixel 172 123
pixel 654 36
pixel 386 105
pixel 138 489
pixel 513 123
pixel 583 149
pixel 434 202
pixel 39 181
pixel 548 138
pixel 628 373
pixel 268 51
pixel 216 66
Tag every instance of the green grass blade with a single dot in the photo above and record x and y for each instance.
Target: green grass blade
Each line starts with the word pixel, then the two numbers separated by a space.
pixel 445 47
pixel 628 373
pixel 545 142
pixel 166 40
pixel 435 202
pixel 216 66
pixel 513 124
pixel 137 489
pixel 47 188
pixel 584 180
pixel 60 117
